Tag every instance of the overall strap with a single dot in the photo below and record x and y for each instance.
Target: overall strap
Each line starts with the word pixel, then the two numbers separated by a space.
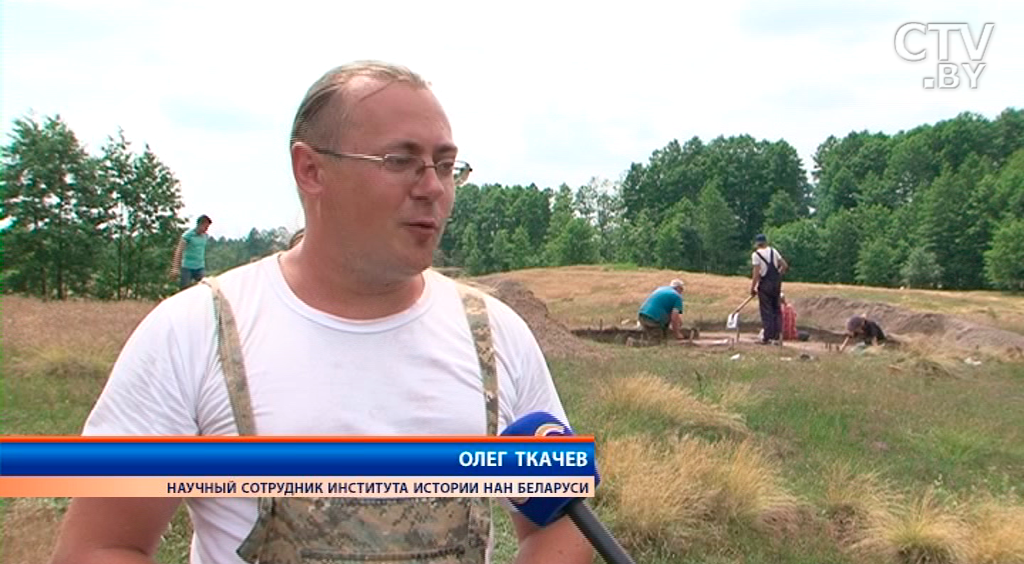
pixel 480 327
pixel 481 512
pixel 229 348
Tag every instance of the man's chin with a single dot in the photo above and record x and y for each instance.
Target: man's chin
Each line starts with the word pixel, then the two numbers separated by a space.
pixel 413 266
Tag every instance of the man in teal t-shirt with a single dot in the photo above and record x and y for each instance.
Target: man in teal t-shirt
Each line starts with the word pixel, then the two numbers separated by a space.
pixel 663 309
pixel 190 255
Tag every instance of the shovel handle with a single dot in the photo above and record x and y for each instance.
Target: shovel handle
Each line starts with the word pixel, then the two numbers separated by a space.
pixel 745 302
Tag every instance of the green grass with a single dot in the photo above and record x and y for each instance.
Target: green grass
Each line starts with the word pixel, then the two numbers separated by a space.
pixel 49 393
pixel 958 435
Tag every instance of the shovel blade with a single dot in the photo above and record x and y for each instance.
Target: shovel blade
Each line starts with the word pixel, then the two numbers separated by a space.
pixel 733 321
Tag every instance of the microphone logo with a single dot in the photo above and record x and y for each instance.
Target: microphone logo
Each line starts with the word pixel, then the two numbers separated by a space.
pixel 549 429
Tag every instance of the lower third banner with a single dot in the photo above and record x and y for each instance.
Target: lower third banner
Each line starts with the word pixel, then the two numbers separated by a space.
pixel 371 467
pixel 291 486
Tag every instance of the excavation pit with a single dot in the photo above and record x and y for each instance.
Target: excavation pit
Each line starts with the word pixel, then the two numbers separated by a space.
pixel 629 336
pixel 709 334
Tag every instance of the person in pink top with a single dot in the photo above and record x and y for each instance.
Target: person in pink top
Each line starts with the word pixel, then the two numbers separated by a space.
pixel 789 332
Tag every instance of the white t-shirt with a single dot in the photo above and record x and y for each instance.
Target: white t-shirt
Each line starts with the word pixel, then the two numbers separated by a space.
pixel 767 253
pixel 311 373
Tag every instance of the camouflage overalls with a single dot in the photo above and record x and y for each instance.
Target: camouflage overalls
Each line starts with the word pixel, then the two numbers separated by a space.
pixel 335 530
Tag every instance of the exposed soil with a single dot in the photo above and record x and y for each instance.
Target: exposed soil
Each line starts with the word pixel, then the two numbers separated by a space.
pixel 831 312
pixel 554 337
pixel 625 335
pixel 844 526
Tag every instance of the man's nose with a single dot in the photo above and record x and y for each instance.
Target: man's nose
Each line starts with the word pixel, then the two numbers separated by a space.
pixel 428 186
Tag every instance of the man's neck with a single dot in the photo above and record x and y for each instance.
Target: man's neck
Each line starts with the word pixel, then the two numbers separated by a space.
pixel 342 292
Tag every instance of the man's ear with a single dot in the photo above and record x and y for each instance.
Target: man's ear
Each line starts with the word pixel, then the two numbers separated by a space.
pixel 306 168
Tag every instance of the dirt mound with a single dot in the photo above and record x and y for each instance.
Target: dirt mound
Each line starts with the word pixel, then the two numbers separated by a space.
pixel 554 337
pixel 831 312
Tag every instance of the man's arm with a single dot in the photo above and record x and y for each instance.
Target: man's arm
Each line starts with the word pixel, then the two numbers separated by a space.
pixel 846 340
pixel 113 530
pixel 558 543
pixel 755 279
pixel 783 265
pixel 676 323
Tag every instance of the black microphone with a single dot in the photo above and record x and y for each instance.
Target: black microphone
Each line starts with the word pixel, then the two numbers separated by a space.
pixel 543 511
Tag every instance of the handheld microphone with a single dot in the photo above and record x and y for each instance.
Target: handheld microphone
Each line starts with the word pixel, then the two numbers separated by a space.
pixel 543 511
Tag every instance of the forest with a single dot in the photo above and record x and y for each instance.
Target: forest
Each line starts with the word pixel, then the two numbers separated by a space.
pixel 937 206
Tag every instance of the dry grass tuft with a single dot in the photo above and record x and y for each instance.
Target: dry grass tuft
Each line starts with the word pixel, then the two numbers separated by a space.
pixel 648 392
pixel 674 491
pixel 750 487
pixel 65 364
pixel 851 498
pixel 935 359
pixel 919 532
pixel 861 494
pixel 659 493
pixel 997 534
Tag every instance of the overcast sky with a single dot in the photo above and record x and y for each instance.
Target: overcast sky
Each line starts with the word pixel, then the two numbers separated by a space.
pixel 543 92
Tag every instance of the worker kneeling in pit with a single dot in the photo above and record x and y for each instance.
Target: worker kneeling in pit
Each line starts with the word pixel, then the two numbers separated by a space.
pixel 859 327
pixel 663 310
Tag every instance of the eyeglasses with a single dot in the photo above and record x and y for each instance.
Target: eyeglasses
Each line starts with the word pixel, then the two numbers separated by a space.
pixel 449 171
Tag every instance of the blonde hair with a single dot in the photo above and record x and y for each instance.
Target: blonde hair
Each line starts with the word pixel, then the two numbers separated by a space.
pixel 322 112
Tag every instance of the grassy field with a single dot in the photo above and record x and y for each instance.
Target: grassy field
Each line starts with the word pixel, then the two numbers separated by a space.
pixel 888 456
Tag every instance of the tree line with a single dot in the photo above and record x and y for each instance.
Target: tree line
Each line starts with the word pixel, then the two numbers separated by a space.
pixel 941 205
pixel 85 225
pixel 75 224
pixel 938 206
pixel 224 253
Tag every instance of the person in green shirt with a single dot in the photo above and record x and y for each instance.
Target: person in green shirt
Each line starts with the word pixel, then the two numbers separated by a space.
pixel 189 262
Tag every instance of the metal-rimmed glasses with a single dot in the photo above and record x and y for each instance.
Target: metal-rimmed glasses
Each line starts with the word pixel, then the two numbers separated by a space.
pixel 449 171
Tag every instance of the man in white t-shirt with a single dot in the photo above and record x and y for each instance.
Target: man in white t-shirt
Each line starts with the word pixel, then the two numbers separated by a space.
pixel 347 333
pixel 766 284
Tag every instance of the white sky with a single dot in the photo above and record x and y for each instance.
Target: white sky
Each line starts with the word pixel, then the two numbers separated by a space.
pixel 543 92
